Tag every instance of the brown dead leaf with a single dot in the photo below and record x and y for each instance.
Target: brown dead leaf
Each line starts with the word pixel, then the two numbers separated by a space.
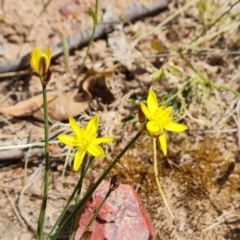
pixel 60 107
pixel 95 85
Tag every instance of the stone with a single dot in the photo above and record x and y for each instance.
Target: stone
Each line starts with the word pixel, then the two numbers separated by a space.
pixel 122 217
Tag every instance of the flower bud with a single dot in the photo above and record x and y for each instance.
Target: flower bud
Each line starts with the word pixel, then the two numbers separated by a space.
pixel 114 184
pixel 141 115
pixel 45 79
pixel 43 64
pixel 40 61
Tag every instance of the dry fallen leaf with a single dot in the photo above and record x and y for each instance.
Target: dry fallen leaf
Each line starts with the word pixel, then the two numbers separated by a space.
pixel 60 107
pixel 95 85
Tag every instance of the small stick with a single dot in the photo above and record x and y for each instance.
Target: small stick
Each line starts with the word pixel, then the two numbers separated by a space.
pixel 14 208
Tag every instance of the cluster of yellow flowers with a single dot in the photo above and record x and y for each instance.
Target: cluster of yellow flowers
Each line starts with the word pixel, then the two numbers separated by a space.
pixel 158 118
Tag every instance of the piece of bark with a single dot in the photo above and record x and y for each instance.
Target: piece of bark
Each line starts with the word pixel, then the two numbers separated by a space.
pixel 133 12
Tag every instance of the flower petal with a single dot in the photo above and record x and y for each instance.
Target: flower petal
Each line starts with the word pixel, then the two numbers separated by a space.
pixel 37 53
pixel 154 128
pixel 48 53
pixel 159 111
pixel 69 140
pixel 175 127
pixel 146 111
pixel 152 102
pixel 93 125
pixel 95 150
pixel 166 112
pixel 35 58
pixel 74 125
pixel 32 62
pixel 100 140
pixel 78 159
pixel 163 143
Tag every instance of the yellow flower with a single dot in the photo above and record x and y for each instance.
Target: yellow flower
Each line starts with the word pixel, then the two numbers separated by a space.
pixel 159 119
pixel 40 61
pixel 86 140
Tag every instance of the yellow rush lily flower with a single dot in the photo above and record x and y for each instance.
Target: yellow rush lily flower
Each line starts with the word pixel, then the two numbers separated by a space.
pixel 40 61
pixel 86 140
pixel 159 120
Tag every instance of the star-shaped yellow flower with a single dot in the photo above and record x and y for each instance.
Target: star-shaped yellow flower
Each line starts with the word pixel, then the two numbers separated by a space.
pixel 86 140
pixel 40 61
pixel 159 119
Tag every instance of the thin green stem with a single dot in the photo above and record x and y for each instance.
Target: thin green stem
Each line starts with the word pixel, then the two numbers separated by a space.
pixel 66 53
pixel 157 177
pixel 82 175
pixel 205 79
pixel 94 186
pixel 96 7
pixel 70 199
pixel 97 212
pixel 42 214
pixel 91 38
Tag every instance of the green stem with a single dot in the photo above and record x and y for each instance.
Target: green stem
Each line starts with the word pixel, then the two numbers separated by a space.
pixel 91 38
pixel 42 214
pixel 96 213
pixel 157 177
pixel 82 175
pixel 94 186
pixel 70 198
pixel 205 79
pixel 66 53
